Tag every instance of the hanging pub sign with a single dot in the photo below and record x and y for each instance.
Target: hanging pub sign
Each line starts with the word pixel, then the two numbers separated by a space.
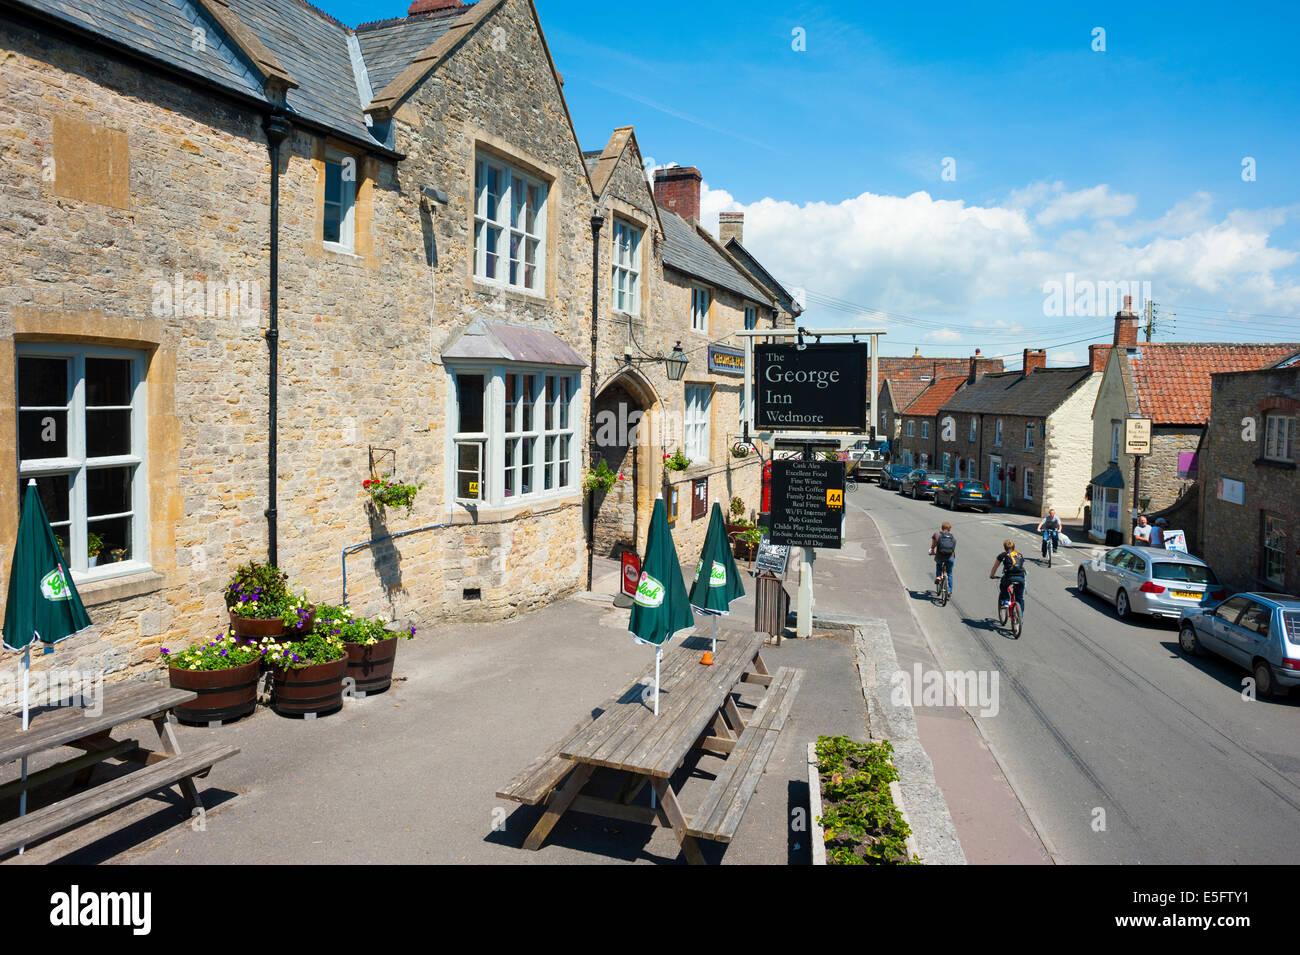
pixel 724 360
pixel 807 503
pixel 814 388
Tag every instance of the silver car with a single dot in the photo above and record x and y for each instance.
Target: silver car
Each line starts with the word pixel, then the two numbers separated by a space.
pixel 1149 580
pixel 1259 631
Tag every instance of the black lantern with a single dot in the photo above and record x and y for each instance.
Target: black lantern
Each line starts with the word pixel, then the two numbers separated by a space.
pixel 675 363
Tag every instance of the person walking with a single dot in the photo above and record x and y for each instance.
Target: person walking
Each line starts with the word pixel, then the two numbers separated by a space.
pixel 1142 533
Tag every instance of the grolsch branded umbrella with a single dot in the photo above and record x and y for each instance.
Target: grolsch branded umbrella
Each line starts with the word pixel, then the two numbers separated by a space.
pixel 717 581
pixel 661 607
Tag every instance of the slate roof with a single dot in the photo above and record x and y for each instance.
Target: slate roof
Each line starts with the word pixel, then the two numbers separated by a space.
pixel 390 45
pixel 501 341
pixel 902 391
pixel 1036 395
pixel 337 71
pixel 936 396
pixel 763 276
pixel 1172 379
pixel 687 251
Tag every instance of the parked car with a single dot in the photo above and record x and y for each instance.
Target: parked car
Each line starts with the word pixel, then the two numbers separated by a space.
pixel 957 492
pixel 892 476
pixel 868 464
pixel 1258 631
pixel 921 483
pixel 1163 583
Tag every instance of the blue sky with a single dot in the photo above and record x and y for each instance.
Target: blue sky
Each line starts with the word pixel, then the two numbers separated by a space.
pixel 1115 166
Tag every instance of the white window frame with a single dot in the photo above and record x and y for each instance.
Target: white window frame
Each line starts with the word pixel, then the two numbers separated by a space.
pixel 554 417
pixel 972 427
pixel 1028 487
pixel 997 433
pixel 696 418
pixel 925 429
pixel 510 181
pixel 75 463
pixel 1114 441
pixel 1030 434
pixel 971 469
pixel 925 461
pixel 751 317
pixel 626 256
pixel 947 463
pixel 1274 555
pixel 911 428
pixel 701 299
pixel 1279 438
pixel 347 240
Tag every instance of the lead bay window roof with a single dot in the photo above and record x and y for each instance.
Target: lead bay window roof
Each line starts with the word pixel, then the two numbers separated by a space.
pixel 486 340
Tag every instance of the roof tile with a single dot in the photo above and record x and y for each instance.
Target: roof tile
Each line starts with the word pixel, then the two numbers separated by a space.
pixel 1172 379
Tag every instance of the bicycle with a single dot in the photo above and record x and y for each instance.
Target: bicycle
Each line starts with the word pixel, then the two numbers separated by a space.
pixel 944 588
pixel 1010 610
pixel 1050 542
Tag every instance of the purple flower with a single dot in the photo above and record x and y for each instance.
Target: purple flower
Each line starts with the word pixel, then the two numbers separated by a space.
pixel 165 651
pixel 412 631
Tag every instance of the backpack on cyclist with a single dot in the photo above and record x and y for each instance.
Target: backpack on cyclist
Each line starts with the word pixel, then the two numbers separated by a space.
pixel 1014 563
pixel 945 545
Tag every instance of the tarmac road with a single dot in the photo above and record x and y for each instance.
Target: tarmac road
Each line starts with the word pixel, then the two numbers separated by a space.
pixel 1122 749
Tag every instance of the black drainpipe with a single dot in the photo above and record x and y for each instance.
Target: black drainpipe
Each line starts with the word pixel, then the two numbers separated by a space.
pixel 277 127
pixel 597 220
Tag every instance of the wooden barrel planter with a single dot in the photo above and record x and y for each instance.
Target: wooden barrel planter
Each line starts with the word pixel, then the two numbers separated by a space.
pixel 309 691
pixel 254 629
pixel 371 667
pixel 222 694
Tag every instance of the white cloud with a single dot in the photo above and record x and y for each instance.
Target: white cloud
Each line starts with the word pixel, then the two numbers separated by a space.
pixel 975 273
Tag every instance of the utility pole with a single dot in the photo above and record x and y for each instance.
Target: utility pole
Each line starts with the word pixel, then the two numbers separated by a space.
pixel 1151 320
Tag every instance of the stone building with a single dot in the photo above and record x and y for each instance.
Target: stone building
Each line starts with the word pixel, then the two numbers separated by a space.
pixel 1250 488
pixel 1025 433
pixel 1168 382
pixel 664 282
pixel 918 443
pixel 895 395
pixel 430 316
pixel 919 367
pixel 731 233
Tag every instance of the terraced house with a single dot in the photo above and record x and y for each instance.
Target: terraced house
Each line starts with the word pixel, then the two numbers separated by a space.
pixel 254 257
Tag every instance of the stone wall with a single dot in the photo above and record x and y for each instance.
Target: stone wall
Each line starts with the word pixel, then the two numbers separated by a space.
pixel 1232 534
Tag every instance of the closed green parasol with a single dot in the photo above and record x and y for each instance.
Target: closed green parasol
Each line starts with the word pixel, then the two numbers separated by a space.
pixel 717 581
pixel 661 607
pixel 43 602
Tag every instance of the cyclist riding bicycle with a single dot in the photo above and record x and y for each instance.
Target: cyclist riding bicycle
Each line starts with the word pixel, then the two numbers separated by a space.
pixel 943 547
pixel 1012 563
pixel 1050 528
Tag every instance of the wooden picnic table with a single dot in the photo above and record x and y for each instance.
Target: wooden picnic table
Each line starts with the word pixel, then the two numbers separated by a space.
pixel 90 728
pixel 697 710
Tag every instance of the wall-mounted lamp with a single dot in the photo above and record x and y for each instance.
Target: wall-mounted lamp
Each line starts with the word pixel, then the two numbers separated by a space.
pixel 675 362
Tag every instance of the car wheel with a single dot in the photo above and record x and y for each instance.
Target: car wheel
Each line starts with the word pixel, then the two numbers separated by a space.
pixel 1187 640
pixel 1083 582
pixel 1264 683
pixel 1122 608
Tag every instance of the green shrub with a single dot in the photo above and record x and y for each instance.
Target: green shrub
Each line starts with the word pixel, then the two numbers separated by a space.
pixel 863 825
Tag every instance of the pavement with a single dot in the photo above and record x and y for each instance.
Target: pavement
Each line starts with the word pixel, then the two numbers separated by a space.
pixel 409 776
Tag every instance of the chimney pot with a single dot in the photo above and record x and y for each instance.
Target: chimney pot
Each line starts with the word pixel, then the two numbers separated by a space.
pixel 1097 355
pixel 677 189
pixel 1033 358
pixel 1126 326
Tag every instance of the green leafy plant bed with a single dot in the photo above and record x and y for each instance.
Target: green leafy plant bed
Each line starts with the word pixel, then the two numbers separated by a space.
pixel 308 674
pixel 262 604
pixel 863 825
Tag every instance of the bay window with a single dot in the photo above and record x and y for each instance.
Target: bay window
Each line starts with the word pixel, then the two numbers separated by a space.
pixel 514 438
pixel 509 227
pixel 81 436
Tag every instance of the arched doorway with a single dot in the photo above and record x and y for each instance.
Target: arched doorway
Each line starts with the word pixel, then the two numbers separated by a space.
pixel 622 421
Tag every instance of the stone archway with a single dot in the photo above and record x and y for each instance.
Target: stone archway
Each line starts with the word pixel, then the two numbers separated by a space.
pixel 623 417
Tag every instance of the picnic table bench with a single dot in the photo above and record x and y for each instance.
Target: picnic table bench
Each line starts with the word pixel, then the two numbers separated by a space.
pixel 697 711
pixel 90 729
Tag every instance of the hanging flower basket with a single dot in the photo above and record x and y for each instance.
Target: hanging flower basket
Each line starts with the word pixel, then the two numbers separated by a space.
pixel 385 493
pixel 677 461
pixel 600 478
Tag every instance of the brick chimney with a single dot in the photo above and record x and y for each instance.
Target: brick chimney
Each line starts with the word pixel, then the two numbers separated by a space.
pixel 1126 325
pixel 1033 358
pixel 677 189
pixel 1097 355
pixel 974 365
pixel 731 225
pixel 432 6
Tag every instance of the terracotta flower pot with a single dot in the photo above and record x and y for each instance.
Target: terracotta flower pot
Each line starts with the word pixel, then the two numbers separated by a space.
pixel 371 667
pixel 222 694
pixel 312 690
